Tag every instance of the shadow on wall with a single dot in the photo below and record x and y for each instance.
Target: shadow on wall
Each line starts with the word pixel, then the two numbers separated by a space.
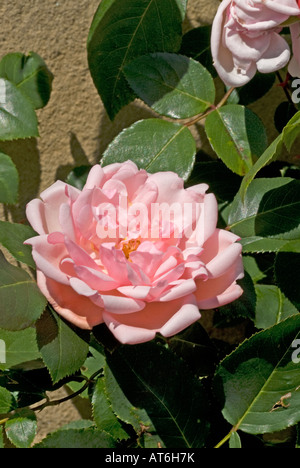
pixel 25 155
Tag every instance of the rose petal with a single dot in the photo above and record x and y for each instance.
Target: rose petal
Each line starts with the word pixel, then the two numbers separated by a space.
pixel 95 278
pixel 96 178
pixel 224 260
pixel 48 256
pixel 35 213
pixel 77 309
pixel 187 314
pixel 121 305
pixel 185 288
pixel 276 56
pixel 226 297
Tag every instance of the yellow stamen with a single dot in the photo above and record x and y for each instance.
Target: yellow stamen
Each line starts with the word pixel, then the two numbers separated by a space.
pixel 130 246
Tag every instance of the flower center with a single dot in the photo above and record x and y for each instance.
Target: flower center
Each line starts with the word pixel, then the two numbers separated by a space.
pixel 130 246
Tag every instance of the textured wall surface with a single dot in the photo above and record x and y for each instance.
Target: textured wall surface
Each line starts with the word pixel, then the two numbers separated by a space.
pixel 74 128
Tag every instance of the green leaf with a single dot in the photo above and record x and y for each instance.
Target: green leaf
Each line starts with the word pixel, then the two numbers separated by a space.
pixel 122 407
pixel 21 428
pixel 123 30
pixel 194 346
pixel 269 155
pixel 154 145
pixel 13 236
pixel 243 307
pixel 93 363
pixel 1 438
pixel 30 74
pixel 237 135
pixel 9 180
pixel 78 176
pixel 222 182
pixel 6 401
pixel 258 244
pixel 103 414
pixel 287 274
pixel 258 384
pixel 159 388
pixel 62 349
pixel 21 302
pixel 20 347
pixel 283 114
pixel 196 44
pixel 256 88
pixel 272 306
pixel 88 437
pixel 271 208
pixel 235 440
pixel 173 85
pixel 17 115
pixel 287 138
pixel 252 268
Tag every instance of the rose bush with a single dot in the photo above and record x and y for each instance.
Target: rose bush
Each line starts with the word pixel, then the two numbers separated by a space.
pixel 246 39
pixel 104 254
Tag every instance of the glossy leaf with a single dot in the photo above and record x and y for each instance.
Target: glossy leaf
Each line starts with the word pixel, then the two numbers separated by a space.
pixel 62 349
pixel 103 414
pixel 258 244
pixel 21 302
pixel 271 208
pixel 287 273
pixel 154 145
pixel 222 182
pixel 9 180
pixel 85 437
pixel 272 306
pixel 259 382
pixel 17 115
pixel 161 391
pixel 194 346
pixel 13 236
pixel 256 88
pixel 124 30
pixel 196 44
pixel 173 85
pixel 20 347
pixel 286 138
pixel 30 74
pixel 237 135
pixel 6 400
pixel 21 428
pixel 243 307
pixel 235 440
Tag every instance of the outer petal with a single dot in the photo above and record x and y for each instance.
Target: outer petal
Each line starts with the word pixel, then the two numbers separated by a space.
pixel 168 319
pixel 47 257
pixel 209 292
pixel 276 56
pixel 222 262
pixel 229 295
pixel 285 7
pixel 96 178
pixel 53 198
pixel 75 308
pixel 35 213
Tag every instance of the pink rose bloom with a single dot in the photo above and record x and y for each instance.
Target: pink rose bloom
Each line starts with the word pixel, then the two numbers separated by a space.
pixel 245 38
pixel 135 250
